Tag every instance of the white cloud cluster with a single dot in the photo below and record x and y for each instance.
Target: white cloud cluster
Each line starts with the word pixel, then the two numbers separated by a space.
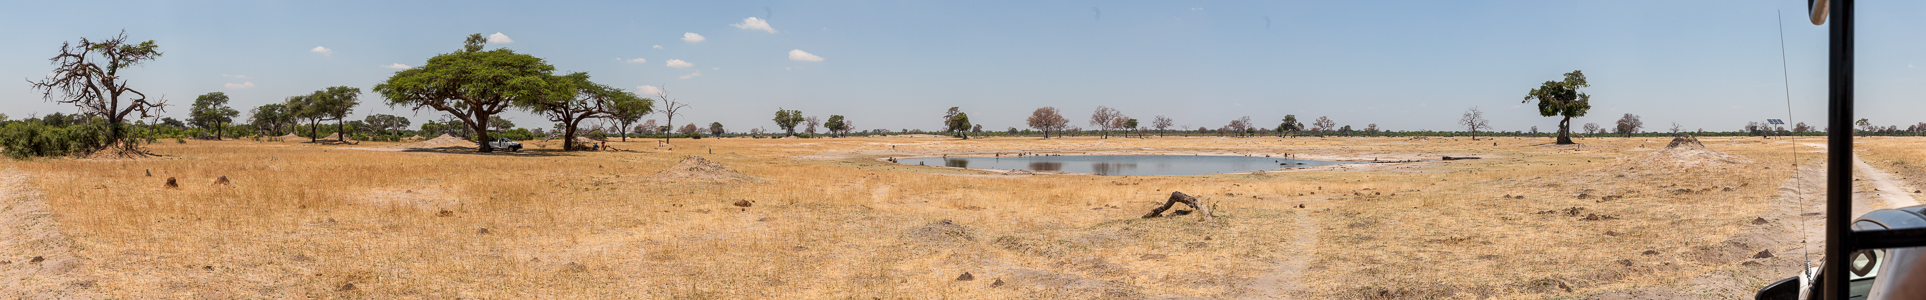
pixel 799 55
pixel 658 46
pixel 397 66
pixel 688 37
pixel 499 38
pixel 647 90
pixel 677 63
pixel 324 51
pixel 752 23
pixel 637 60
pixel 237 86
pixel 693 75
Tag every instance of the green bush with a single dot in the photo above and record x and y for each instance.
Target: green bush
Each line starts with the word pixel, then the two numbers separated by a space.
pixel 35 138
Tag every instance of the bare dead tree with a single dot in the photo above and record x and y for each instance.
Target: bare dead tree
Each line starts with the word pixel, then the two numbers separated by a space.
pixel 670 108
pixel 87 76
pixel 1104 117
pixel 810 123
pixel 1473 121
pixel 1161 123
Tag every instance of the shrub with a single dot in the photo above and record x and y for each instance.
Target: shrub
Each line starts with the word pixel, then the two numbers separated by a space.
pixel 34 138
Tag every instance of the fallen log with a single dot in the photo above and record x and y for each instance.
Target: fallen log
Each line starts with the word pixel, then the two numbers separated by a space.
pixel 1460 157
pixel 1180 197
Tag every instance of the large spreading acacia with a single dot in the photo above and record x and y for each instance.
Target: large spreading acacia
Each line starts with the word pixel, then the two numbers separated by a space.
pixel 88 76
pixel 577 99
pixel 1562 98
pixel 471 84
pixel 306 107
pixel 210 111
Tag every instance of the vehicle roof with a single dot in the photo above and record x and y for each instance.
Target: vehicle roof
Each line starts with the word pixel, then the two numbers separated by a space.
pixel 1898 218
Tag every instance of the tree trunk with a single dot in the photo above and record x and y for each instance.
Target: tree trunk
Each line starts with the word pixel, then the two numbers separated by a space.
pixel 568 136
pixel 314 130
pixel 1564 131
pixel 1176 197
pixel 341 129
pixel 480 125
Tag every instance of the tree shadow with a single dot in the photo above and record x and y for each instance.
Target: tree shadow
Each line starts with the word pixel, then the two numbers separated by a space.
pixel 475 151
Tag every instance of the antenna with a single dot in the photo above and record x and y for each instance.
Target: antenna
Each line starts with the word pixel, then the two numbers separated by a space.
pixel 1786 75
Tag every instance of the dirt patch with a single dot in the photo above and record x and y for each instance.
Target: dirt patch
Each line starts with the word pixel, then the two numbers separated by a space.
pixel 428 199
pixel 38 262
pixel 698 169
pixel 944 231
pixel 442 141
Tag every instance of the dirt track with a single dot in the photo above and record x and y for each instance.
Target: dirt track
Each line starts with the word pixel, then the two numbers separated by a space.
pixel 35 259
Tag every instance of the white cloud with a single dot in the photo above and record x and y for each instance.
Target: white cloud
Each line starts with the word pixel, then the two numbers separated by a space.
pixel 1196 8
pixel 397 66
pixel 647 90
pixel 692 75
pixel 637 60
pixel 499 38
pixel 658 46
pixel 688 37
pixel 237 86
pixel 677 63
pixel 324 51
pixel 752 23
pixel 799 55
pixel 234 76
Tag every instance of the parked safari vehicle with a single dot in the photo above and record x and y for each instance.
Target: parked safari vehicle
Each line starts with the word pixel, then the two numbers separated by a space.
pixel 1898 273
pixel 503 143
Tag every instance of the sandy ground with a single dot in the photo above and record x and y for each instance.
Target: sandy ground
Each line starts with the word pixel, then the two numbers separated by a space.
pixel 36 261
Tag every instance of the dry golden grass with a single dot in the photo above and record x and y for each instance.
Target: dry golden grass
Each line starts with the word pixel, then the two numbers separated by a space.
pixel 831 221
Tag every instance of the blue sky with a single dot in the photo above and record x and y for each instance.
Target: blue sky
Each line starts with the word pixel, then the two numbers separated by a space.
pixel 1404 65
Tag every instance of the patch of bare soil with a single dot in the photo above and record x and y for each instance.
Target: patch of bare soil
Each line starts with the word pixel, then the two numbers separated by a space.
pixel 698 169
pixel 428 199
pixel 336 138
pixel 442 141
pixel 36 260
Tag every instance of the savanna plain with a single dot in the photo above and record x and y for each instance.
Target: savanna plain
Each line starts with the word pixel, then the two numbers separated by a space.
pixel 832 218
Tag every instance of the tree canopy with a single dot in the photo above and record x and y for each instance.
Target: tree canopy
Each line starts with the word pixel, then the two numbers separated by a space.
pixel 577 99
pixel 1046 119
pixel 210 111
pixel 787 120
pixel 471 84
pixel 836 125
pixel 1562 98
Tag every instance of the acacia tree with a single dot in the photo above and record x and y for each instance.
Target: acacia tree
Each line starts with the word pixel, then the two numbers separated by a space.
pixel 471 84
pixel 88 76
pixel 787 120
pixel 271 118
pixel 1629 124
pixel 305 107
pixel 1161 123
pixel 1130 125
pixel 1047 119
pixel 624 118
pixel 336 103
pixel 1473 121
pixel 384 123
pixel 715 128
pixel 1105 118
pixel 576 99
pixel 1324 124
pixel 1562 99
pixel 836 125
pixel 1591 128
pixel 1290 125
pixel 210 111
pixel 688 129
pixel 957 123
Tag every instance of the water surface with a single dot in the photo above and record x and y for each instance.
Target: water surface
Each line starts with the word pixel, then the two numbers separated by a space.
pixel 1125 164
